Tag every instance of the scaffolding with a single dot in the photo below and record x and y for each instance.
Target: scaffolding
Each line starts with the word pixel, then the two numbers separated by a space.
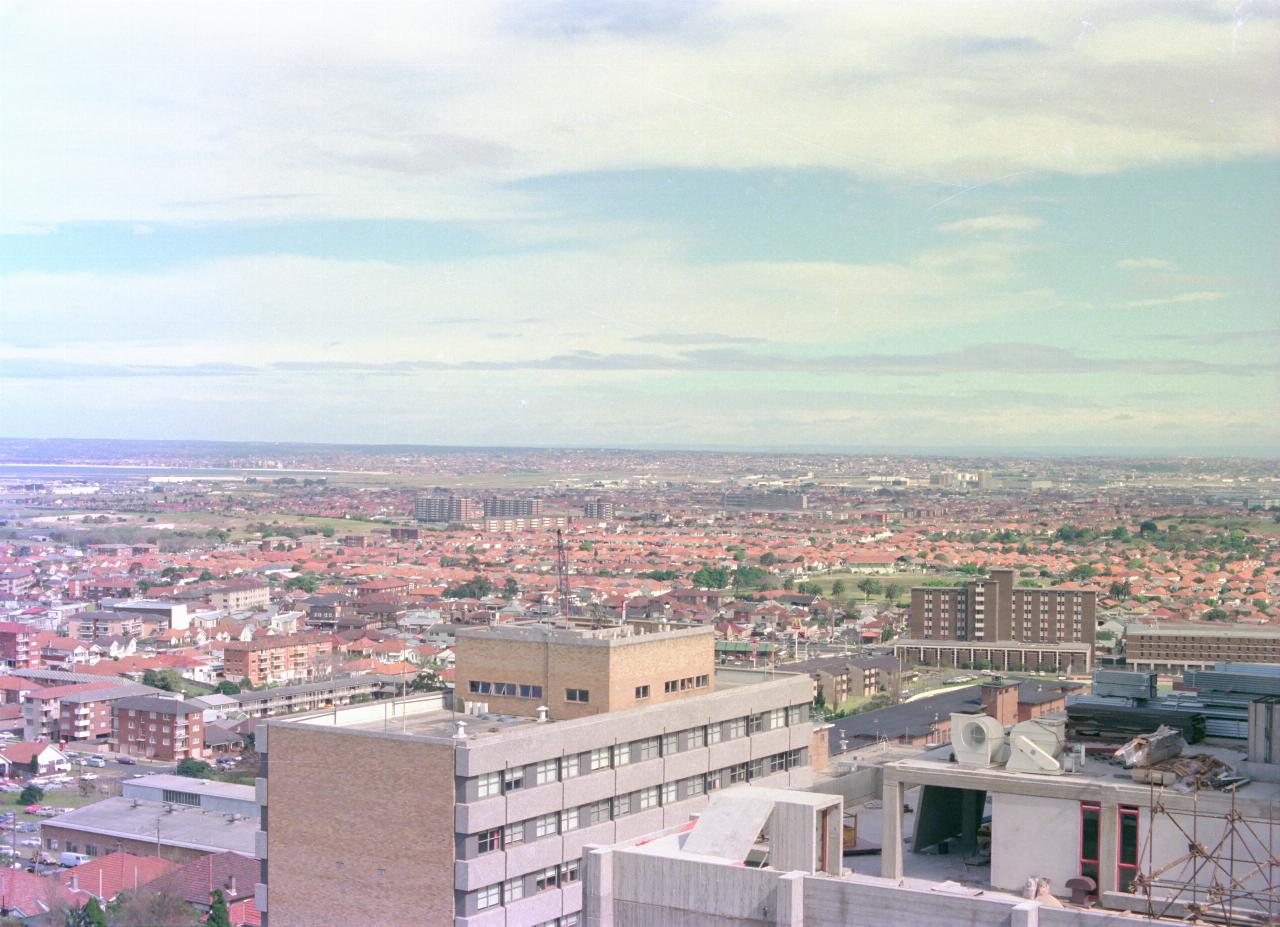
pixel 1229 875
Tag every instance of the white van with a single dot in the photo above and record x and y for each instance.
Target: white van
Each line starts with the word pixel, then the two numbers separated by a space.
pixel 72 859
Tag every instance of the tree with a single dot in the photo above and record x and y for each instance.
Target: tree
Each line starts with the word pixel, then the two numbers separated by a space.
pixel 768 558
pixel 870 587
pixel 205 576
pixel 475 588
pixel 147 908
pixel 94 915
pixel 31 795
pixel 892 591
pixel 1120 590
pixel 167 679
pixel 1082 571
pixel 218 914
pixel 1215 614
pixel 1148 527
pixel 193 768
pixel 510 588
pixel 837 589
pixel 227 687
pixel 710 578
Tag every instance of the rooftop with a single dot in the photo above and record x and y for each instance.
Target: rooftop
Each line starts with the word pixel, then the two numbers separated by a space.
pixel 176 825
pixel 194 786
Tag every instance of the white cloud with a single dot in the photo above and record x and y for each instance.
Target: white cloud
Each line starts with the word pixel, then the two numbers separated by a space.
pixel 1203 296
pixel 1002 222
pixel 1144 264
pixel 154 112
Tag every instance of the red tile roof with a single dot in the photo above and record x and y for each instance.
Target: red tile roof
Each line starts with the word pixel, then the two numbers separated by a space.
pixel 109 875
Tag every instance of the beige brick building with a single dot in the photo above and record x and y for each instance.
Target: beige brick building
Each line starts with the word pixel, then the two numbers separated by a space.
pixel 479 820
pixel 1173 648
pixel 279 659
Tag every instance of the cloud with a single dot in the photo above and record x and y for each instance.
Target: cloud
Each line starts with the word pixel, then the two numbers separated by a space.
pixel 1144 264
pixel 678 338
pixel 1003 222
pixel 428 115
pixel 1258 336
pixel 1177 299
pixel 27 368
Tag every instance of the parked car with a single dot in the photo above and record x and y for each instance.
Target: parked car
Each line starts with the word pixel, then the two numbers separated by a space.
pixel 33 809
pixel 95 761
pixel 30 842
pixel 89 776
pixel 127 761
pixel 68 860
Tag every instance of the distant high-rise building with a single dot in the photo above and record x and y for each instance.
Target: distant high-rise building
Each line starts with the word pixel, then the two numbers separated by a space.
pixel 766 501
pixel 506 507
pixel 600 508
pixel 446 508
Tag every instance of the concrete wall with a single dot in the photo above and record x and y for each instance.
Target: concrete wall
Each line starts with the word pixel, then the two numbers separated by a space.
pixel 1019 848
pixel 360 829
pixel 855 787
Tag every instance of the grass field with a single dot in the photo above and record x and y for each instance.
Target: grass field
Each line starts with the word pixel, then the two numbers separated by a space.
pixel 851 580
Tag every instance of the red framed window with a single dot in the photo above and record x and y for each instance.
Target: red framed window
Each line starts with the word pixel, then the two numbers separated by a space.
pixel 1090 820
pixel 1127 850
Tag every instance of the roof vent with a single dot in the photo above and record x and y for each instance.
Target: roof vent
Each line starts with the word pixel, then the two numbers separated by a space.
pixel 542 714
pixel 461 732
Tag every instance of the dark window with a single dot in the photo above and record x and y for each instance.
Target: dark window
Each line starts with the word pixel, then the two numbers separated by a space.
pixel 1090 812
pixel 489 840
pixel 577 695
pixel 1127 859
pixel 642 692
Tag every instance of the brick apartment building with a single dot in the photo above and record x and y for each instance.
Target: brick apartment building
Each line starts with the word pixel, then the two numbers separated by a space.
pixel 238 595
pixel 85 714
pixel 16 647
pixel 86 627
pixel 1173 648
pixel 838 679
pixel 995 610
pixel 504 507
pixel 280 659
pixel 157 728
pixel 479 820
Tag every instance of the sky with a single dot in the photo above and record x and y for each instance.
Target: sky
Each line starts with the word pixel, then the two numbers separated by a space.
pixel 1018 227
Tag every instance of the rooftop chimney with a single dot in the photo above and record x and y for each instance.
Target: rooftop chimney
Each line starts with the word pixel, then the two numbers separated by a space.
pixel 74 884
pixel 1000 700
pixel 461 732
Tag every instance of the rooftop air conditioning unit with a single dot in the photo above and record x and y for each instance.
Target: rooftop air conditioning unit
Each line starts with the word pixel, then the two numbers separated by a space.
pixel 978 740
pixel 1038 745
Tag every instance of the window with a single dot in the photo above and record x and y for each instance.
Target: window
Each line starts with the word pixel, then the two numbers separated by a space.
pixel 775 719
pixel 642 692
pixel 488 897
pixel 513 779
pixel 755 724
pixel 1090 812
pixel 599 758
pixel 474 686
pixel 596 812
pixel 570 767
pixel 713 734
pixel 1127 858
pixel 577 695
pixel 738 773
pixel 570 871
pixel 623 805
pixel 504 688
pixel 668 793
pixel 671 685
pixel 777 763
pixel 715 780
pixel 621 754
pixel 513 890
pixel 648 798
pixel 488 784
pixel 545 826
pixel 737 728
pixel 694 785
pixel 547 878
pixel 546 771
pixel 648 748
pixel 797 714
pixel 697 737
pixel 670 744
pixel 489 840
pixel 568 820
pixel 703 681
pixel 527 691
pixel 513 834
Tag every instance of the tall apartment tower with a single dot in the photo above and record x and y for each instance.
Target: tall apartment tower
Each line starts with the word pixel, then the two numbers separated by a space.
pixel 995 609
pixel 504 507
pixel 477 817
pixel 447 508
pixel 600 508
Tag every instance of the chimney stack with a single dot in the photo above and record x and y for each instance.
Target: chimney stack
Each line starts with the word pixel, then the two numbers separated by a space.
pixel 1000 700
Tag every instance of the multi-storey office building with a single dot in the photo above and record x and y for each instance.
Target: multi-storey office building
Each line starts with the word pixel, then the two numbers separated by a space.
pixel 479 820
pixel 1173 648
pixel 16 648
pixel 995 610
pixel 504 507
pixel 280 659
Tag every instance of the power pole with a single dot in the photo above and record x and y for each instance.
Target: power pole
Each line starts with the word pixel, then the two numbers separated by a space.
pixel 562 574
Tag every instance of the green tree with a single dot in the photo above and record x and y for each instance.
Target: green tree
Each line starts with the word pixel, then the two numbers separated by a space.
pixel 167 679
pixel 1148 527
pixel 1215 614
pixel 768 558
pixel 1082 571
pixel 710 578
pixel 218 914
pixel 837 589
pixel 510 588
pixel 308 582
pixel 31 795
pixel 227 687
pixel 869 587
pixel 195 769
pixel 1120 590
pixel 94 915
pixel 892 591
pixel 475 588
pixel 205 576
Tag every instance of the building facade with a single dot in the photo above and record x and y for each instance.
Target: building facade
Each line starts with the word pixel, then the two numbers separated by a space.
pixel 503 804
pixel 995 609
pixel 1173 648
pixel 16 647
pixel 280 659
pixel 157 728
pixel 447 508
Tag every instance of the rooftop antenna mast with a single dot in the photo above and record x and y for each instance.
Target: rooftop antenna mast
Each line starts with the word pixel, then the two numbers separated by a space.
pixel 562 574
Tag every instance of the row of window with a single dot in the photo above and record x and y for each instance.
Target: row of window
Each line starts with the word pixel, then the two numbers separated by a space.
pixel 509 689
pixel 514 889
pixel 607 809
pixel 688 682
pixel 636 751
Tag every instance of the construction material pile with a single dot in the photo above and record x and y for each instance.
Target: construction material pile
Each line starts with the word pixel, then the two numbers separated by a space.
pixel 1149 749
pixel 1092 716
pixel 1157 759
